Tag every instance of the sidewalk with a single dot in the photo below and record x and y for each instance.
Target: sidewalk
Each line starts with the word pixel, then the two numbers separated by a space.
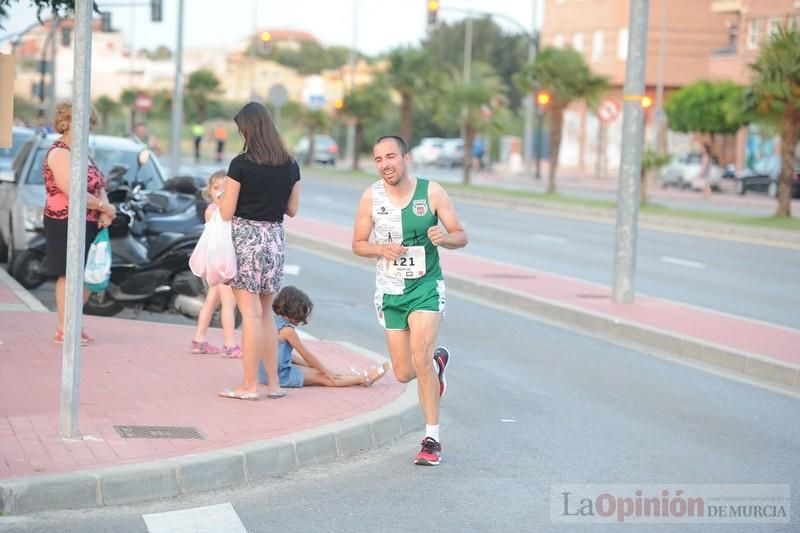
pixel 141 374
pixel 737 345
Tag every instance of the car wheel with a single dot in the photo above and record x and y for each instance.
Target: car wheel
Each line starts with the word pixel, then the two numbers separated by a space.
pixel 28 269
pixel 772 190
pixel 100 304
pixel 740 188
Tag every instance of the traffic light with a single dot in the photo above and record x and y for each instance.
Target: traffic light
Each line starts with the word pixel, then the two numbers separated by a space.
pixel 156 14
pixel 266 41
pixel 338 105
pixel 105 24
pixel 543 98
pixel 646 102
pixel 433 12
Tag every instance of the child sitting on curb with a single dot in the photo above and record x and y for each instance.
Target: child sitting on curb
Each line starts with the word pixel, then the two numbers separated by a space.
pixel 292 307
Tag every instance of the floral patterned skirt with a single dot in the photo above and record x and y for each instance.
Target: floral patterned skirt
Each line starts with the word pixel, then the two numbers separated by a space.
pixel 259 255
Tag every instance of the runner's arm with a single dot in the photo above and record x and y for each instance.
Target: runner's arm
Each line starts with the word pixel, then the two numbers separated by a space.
pixel 363 229
pixel 441 204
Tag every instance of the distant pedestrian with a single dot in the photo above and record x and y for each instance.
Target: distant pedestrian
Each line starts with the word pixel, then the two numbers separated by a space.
pixel 99 212
pixel 479 151
pixel 262 186
pixel 149 139
pixel 198 132
pixel 218 295
pixel 292 307
pixel 706 160
pixel 220 136
pixel 398 224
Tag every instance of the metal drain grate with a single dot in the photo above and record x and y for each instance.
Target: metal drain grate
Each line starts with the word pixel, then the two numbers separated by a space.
pixel 158 432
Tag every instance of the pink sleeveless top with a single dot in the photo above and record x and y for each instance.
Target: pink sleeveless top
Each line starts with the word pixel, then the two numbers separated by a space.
pixel 57 203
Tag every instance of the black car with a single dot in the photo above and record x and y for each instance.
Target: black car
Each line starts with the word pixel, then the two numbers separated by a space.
pixel 766 182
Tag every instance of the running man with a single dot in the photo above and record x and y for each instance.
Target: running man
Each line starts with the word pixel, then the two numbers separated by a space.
pixel 404 213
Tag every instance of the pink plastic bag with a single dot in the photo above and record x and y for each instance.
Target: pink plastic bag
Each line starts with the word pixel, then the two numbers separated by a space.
pixel 214 257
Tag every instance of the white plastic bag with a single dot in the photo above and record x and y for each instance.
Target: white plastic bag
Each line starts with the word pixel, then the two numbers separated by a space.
pixel 214 257
pixel 98 263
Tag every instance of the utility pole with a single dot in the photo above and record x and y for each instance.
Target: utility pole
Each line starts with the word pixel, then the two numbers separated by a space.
pixel 177 100
pixel 351 126
pixel 662 46
pixel 630 169
pixel 527 137
pixel 76 225
pixel 467 71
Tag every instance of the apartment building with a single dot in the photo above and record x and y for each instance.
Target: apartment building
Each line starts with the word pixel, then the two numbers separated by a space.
pixel 749 23
pixel 682 34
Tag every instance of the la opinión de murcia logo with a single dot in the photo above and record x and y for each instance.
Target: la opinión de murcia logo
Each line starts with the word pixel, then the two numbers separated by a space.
pixel 659 504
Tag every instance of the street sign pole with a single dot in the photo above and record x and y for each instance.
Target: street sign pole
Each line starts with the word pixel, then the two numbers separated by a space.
pixel 630 168
pixel 76 225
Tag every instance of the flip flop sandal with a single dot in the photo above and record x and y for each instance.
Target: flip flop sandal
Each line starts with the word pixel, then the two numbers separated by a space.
pixel 381 372
pixel 230 393
pixel 204 348
pixel 232 352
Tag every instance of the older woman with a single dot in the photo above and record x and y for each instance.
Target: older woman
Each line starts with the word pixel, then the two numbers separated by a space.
pixel 99 212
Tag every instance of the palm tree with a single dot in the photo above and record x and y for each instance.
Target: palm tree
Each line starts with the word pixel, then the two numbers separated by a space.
pixel 564 74
pixel 410 73
pixel 479 103
pixel 314 121
pixel 105 106
pixel 776 90
pixel 365 103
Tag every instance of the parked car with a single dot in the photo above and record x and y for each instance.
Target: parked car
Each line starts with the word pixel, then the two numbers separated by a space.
pixel 451 154
pixel 18 138
pixel 427 151
pixel 22 193
pixel 325 149
pixel 684 172
pixel 764 178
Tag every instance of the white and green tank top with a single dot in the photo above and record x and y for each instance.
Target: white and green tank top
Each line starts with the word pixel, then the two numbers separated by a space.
pixel 408 227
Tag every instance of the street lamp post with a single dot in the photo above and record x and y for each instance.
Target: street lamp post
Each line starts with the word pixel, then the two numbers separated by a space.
pixel 177 99
pixel 631 164
pixel 351 127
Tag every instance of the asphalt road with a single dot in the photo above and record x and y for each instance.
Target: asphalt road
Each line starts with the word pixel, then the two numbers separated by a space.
pixel 529 405
pixel 740 278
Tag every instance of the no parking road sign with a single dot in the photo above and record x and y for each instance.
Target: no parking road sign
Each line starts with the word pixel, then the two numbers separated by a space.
pixel 608 110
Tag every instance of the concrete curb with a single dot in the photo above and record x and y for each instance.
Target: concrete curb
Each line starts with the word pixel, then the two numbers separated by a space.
pixel 228 467
pixel 782 375
pixel 31 303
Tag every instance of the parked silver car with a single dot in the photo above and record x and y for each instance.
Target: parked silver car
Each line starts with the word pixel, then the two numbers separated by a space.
pixel 18 137
pixel 684 172
pixel 22 193
pixel 325 149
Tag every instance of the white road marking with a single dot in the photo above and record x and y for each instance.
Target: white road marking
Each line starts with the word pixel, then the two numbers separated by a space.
pixel 507 420
pixel 208 519
pixel 291 270
pixel 550 238
pixel 683 262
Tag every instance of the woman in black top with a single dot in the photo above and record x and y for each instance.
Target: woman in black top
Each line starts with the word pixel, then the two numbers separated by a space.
pixel 262 185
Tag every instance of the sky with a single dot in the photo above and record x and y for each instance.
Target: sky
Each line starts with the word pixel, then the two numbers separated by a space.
pixel 381 24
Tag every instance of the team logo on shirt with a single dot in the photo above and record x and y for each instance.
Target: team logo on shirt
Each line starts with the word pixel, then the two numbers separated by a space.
pixel 420 207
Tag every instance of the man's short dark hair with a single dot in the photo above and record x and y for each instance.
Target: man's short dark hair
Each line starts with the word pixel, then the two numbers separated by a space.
pixel 401 143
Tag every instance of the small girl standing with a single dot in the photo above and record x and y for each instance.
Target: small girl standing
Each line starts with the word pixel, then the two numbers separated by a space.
pixel 217 294
pixel 292 307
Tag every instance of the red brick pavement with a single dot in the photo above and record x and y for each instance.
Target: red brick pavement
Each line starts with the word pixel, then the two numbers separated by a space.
pixel 141 373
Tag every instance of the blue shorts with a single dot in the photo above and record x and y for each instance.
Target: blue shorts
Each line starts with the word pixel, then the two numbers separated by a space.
pixel 290 377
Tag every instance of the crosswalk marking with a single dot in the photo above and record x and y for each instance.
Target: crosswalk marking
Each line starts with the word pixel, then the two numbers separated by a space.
pixel 208 519
pixel 683 262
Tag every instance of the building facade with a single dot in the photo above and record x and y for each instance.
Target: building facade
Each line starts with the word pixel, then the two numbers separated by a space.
pixel 682 34
pixel 749 23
